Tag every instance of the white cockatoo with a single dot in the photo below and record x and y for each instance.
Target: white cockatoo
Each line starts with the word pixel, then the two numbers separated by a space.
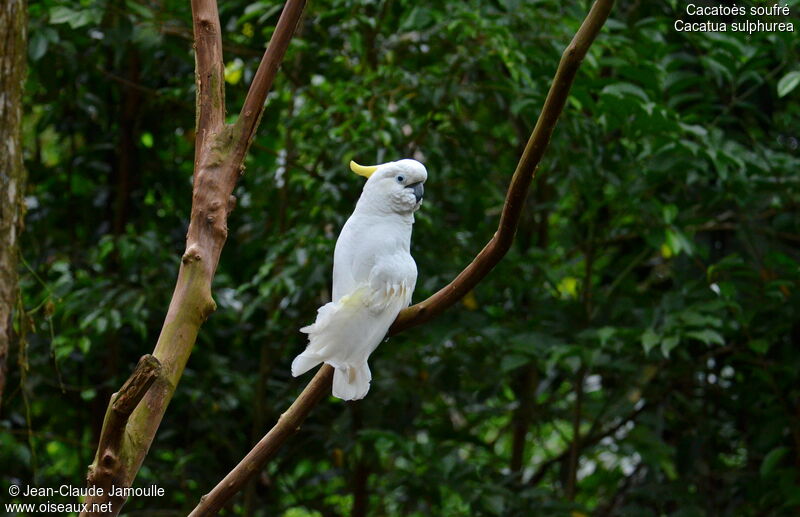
pixel 373 277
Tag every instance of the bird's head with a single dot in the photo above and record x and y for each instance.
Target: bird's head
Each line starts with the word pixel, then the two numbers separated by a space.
pixel 394 186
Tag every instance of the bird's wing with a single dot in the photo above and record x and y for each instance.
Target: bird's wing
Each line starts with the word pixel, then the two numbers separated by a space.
pixel 391 283
pixel 365 313
pixel 354 256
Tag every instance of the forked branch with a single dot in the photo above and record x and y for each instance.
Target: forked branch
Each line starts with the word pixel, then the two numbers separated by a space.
pixel 220 150
pixel 102 472
pixel 489 256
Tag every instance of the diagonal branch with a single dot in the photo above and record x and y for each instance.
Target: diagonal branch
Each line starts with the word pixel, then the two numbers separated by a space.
pixel 584 443
pixel 593 436
pixel 500 243
pixel 491 254
pixel 288 424
pixel 253 106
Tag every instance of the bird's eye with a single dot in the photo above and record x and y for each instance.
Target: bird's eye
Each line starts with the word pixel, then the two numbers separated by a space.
pixel 401 179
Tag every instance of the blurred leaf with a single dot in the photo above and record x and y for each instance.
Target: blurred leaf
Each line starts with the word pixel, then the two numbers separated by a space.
pixel 771 460
pixel 788 83
pixel 625 89
pixel 37 46
pixel 668 344
pixel 707 336
pixel 760 346
pixel 649 340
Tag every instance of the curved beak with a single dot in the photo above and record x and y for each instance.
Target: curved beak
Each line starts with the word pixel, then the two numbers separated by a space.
pixel 418 190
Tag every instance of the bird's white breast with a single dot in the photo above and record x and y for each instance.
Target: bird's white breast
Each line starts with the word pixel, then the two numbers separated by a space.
pixel 366 240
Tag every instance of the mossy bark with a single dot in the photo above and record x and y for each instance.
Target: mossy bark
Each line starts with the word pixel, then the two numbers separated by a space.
pixel 13 50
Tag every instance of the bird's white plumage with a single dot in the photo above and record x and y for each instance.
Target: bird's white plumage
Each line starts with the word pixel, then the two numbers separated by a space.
pixel 373 279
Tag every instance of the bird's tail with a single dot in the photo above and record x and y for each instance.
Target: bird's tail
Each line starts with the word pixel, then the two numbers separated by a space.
pixel 304 362
pixel 343 335
pixel 318 340
pixel 351 382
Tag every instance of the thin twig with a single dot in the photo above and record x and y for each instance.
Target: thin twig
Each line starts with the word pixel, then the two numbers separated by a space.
pixel 584 443
pixel 575 445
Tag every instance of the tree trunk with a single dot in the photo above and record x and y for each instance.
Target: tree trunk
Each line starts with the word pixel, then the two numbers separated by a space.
pixel 13 47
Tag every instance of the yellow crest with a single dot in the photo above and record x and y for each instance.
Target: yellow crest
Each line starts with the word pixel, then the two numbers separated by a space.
pixel 362 170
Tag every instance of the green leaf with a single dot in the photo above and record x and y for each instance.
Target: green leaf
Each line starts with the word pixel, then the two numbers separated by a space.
pixel 147 139
pixel 788 83
pixel 74 18
pixel 234 71
pixel 668 343
pixel 300 511
pixel 84 344
pixel 668 467
pixel 771 460
pixel 141 10
pixel 649 340
pixel 677 242
pixel 759 346
pixel 669 213
pixel 37 46
pixel 695 319
pixel 605 333
pixel 418 18
pixel 512 362
pixel 707 336
pixel 696 130
pixel 61 14
pixel 625 90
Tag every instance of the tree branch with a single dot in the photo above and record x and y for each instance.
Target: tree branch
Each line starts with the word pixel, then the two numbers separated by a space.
pixel 209 72
pixel 13 69
pixel 491 254
pixel 585 443
pixel 220 150
pixel 524 389
pixel 288 424
pixel 253 106
pixel 103 471
pixel 500 243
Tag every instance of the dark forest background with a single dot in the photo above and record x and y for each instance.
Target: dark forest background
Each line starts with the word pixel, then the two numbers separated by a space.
pixel 637 352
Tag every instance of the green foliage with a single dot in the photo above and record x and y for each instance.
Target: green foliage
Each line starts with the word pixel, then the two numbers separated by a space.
pixel 649 302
